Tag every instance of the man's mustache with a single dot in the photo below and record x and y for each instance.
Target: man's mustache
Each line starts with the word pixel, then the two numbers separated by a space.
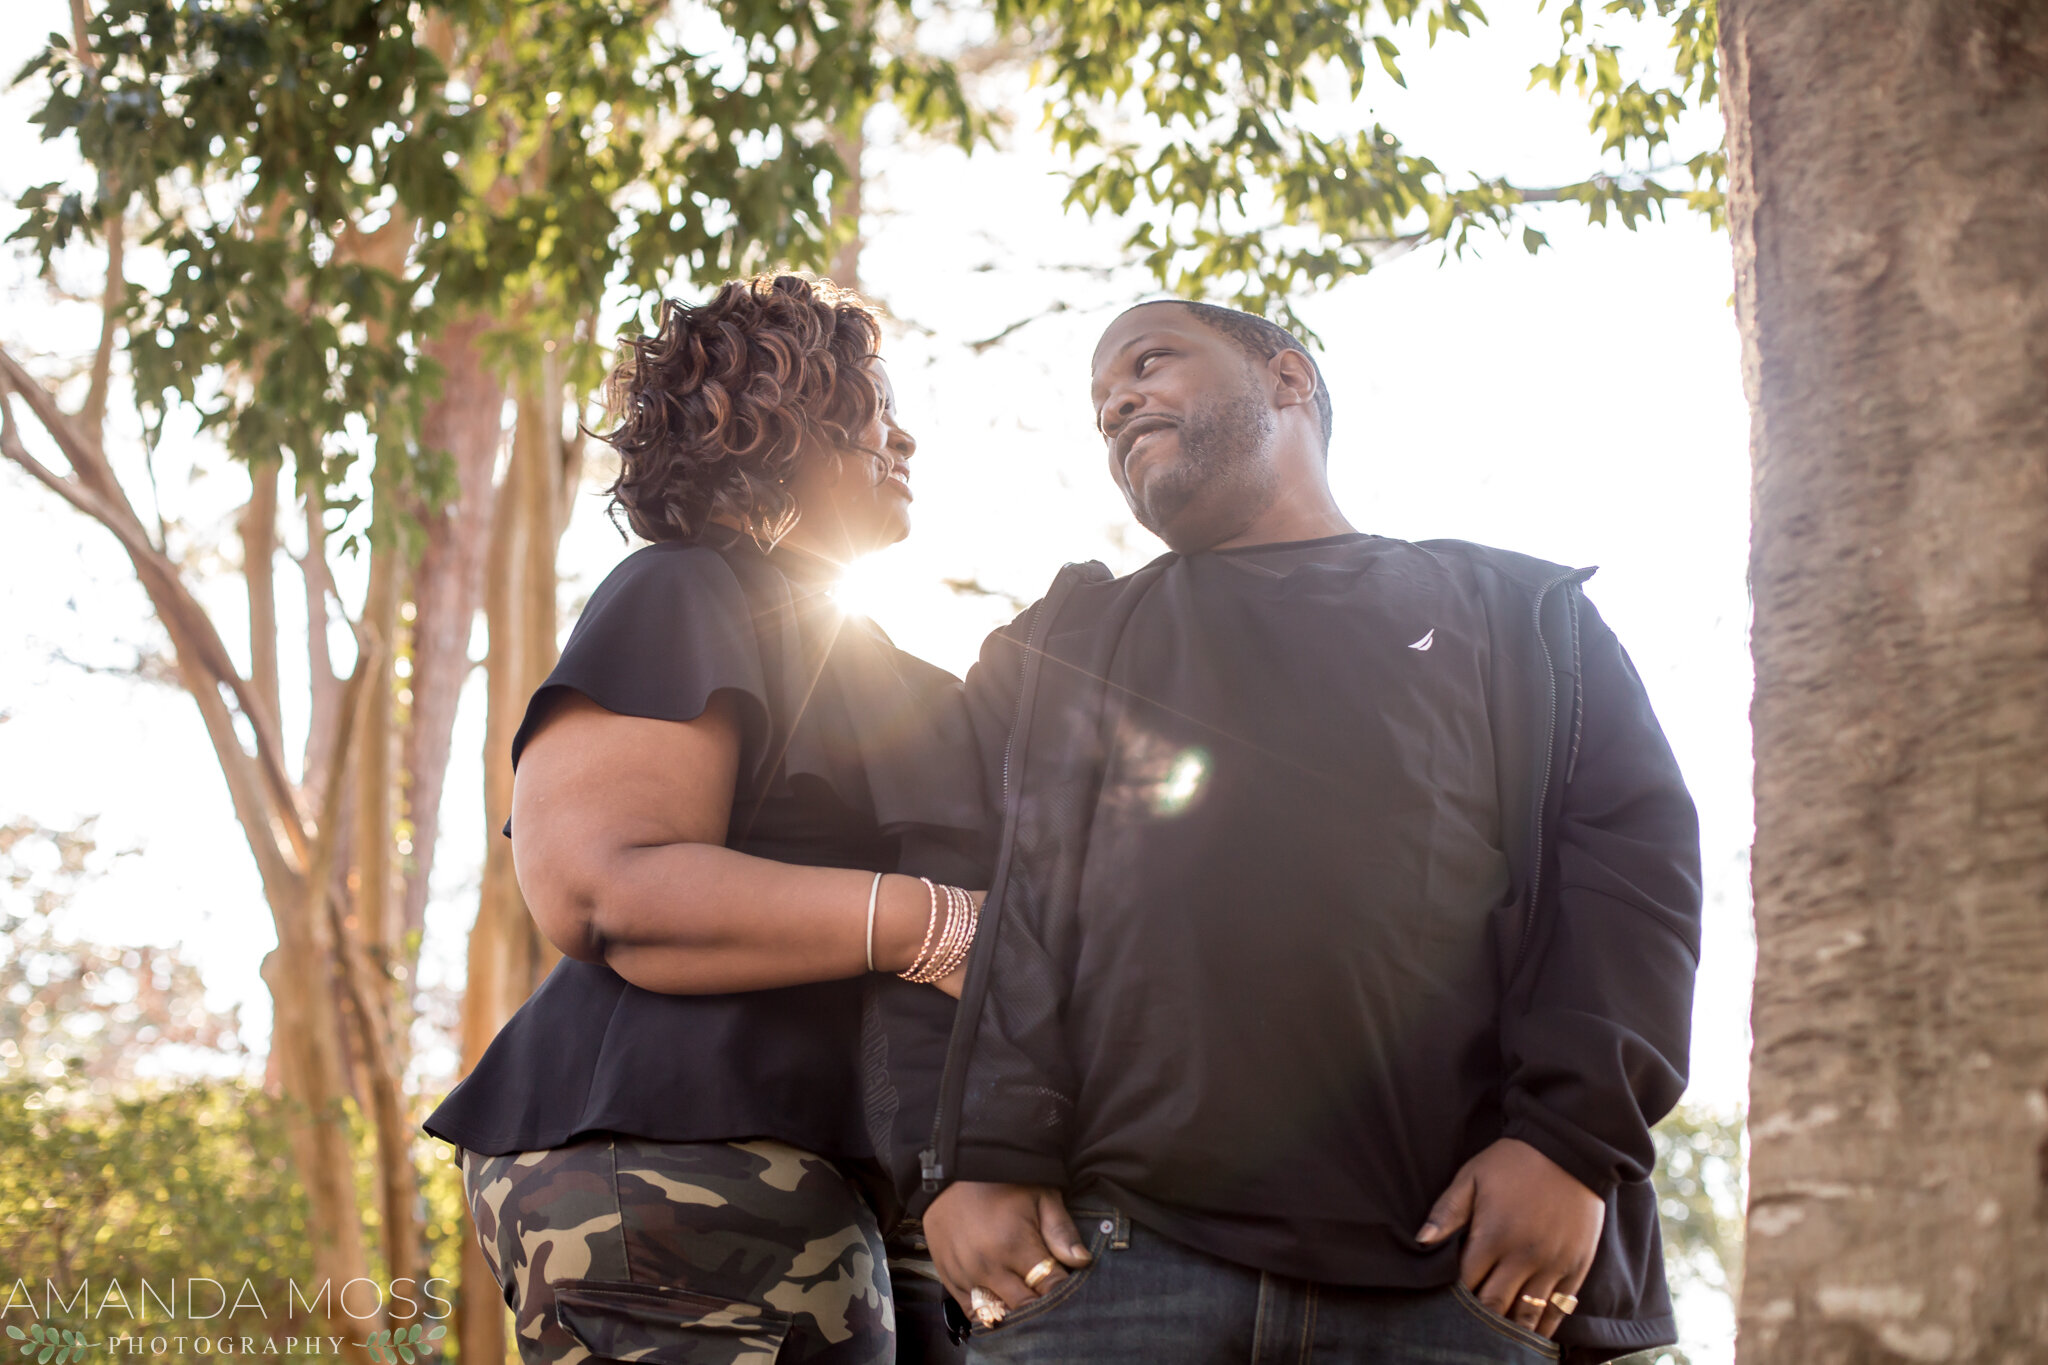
pixel 1127 435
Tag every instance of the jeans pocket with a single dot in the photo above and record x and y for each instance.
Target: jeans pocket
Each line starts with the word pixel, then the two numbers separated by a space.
pixel 1507 1327
pixel 660 1326
pixel 1101 1227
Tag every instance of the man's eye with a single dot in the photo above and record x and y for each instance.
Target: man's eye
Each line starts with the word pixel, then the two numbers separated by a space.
pixel 1145 360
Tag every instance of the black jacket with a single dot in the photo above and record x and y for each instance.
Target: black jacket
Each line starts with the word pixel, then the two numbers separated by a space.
pixel 1600 941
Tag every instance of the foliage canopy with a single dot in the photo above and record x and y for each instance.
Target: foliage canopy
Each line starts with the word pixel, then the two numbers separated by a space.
pixel 322 184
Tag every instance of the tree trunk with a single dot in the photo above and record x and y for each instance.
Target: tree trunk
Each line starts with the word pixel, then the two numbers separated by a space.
pixel 846 205
pixel 1891 241
pixel 371 880
pixel 306 1042
pixel 369 934
pixel 294 864
pixel 259 555
pixel 323 688
pixel 467 421
pixel 507 955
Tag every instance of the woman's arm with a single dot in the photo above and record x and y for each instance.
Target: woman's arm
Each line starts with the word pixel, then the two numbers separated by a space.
pixel 618 832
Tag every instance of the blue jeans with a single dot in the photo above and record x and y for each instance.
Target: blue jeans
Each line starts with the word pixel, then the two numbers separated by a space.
pixel 1147 1298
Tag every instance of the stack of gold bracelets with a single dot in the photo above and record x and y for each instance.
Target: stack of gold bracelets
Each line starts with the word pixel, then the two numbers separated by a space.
pixel 947 937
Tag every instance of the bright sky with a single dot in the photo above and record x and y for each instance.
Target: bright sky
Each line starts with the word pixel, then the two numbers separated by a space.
pixel 1583 405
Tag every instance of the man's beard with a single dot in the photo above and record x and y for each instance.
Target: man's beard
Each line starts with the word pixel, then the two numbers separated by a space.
pixel 1218 460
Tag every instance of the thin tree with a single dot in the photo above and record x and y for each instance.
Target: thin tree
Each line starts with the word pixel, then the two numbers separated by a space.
pixel 373 232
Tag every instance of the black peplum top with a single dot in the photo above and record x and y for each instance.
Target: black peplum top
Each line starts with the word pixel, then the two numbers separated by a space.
pixel 853 754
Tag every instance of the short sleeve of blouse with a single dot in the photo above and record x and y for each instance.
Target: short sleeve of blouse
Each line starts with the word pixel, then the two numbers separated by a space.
pixel 667 629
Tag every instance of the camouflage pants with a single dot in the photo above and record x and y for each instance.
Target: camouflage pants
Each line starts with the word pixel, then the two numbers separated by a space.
pixel 698 1253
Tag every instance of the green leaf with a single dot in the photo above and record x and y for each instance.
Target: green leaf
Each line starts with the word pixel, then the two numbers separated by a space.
pixel 405 1354
pixel 15 1332
pixel 1388 53
pixel 49 1349
pixel 438 1331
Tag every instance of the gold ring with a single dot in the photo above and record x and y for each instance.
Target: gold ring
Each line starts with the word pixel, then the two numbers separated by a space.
pixel 1036 1276
pixel 1564 1303
pixel 1534 1302
pixel 988 1310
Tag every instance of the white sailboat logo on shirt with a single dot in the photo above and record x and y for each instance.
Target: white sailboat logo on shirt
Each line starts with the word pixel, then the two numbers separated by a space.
pixel 1426 641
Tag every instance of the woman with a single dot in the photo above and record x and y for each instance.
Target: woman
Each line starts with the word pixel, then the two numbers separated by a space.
pixel 665 1149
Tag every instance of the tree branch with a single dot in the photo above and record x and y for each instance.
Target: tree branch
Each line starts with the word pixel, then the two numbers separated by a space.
pixel 94 413
pixel 80 32
pixel 69 488
pixel 988 342
pixel 89 465
pixel 259 554
pixel 324 687
pixel 149 667
pixel 198 644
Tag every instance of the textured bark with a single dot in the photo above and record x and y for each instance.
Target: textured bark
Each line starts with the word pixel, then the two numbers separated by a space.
pixel 1889 204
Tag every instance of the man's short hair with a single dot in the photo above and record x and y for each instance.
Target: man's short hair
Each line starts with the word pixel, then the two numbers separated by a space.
pixel 1262 340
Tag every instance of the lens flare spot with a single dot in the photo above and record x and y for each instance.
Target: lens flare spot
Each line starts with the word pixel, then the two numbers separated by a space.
pixel 1183 783
pixel 869 584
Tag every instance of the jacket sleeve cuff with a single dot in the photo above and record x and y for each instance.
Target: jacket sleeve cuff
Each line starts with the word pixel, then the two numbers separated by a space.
pixel 1596 1173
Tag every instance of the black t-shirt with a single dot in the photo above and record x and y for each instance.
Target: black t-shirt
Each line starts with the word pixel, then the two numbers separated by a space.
pixel 853 754
pixel 1283 973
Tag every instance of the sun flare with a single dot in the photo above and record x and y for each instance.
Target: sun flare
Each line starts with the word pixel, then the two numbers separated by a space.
pixel 867 586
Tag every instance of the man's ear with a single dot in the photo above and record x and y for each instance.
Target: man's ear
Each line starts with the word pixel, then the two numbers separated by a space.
pixel 1293 379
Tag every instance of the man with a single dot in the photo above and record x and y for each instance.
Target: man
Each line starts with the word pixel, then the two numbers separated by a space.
pixel 1340 948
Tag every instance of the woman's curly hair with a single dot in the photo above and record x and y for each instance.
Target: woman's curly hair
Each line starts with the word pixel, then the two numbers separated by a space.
pixel 714 408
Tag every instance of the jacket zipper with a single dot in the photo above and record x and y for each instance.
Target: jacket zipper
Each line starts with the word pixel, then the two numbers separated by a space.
pixel 953 1075
pixel 1549 762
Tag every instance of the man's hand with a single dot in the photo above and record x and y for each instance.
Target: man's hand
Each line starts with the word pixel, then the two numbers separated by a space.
pixel 1534 1231
pixel 991 1236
